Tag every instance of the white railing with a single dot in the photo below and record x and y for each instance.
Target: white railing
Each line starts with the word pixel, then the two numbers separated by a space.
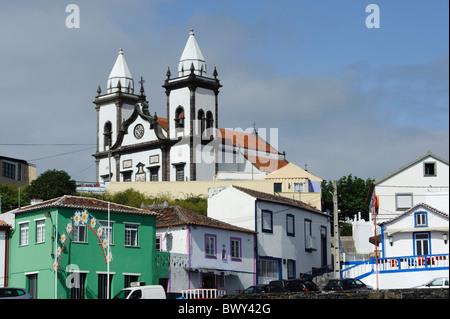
pixel 202 293
pixel 404 263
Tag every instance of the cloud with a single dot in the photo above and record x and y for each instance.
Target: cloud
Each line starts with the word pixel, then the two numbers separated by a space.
pixel 362 117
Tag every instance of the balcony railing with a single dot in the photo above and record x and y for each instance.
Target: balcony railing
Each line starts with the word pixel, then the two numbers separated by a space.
pixel 396 264
pixel 202 293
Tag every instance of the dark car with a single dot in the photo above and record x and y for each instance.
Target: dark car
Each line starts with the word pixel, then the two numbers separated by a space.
pixel 14 293
pixel 346 284
pixel 257 289
pixel 294 285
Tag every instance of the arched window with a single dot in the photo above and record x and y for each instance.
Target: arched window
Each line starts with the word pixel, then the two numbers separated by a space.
pixel 209 120
pixel 107 135
pixel 202 120
pixel 179 117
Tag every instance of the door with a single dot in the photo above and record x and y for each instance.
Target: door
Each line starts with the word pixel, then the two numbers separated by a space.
pixel 422 244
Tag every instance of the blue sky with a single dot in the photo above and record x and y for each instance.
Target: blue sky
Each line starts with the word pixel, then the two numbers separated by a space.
pixel 346 99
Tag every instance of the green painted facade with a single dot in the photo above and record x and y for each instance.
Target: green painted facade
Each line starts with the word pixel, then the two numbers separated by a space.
pixel 34 260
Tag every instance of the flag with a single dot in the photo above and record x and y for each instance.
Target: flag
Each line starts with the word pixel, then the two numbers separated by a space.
pixel 376 203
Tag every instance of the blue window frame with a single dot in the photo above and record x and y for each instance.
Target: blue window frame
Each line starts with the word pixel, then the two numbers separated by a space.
pixel 420 219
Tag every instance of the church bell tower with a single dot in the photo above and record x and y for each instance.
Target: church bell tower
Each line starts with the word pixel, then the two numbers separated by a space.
pixel 192 116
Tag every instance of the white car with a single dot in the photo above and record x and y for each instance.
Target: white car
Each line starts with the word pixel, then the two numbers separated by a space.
pixel 142 292
pixel 441 282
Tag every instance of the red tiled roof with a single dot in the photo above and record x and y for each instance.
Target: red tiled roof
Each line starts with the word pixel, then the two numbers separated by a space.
pixel 245 140
pixel 67 201
pixel 176 216
pixel 265 164
pixel 163 122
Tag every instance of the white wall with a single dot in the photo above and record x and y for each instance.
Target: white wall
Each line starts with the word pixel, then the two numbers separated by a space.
pixel 2 257
pixel 413 181
pixel 188 248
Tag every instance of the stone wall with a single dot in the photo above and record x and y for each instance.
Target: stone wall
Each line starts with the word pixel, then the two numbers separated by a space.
pixel 363 294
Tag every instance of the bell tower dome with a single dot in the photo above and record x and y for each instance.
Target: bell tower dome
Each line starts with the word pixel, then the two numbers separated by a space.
pixel 192 56
pixel 120 73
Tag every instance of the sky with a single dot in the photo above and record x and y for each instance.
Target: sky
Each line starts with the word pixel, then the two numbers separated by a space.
pixel 345 98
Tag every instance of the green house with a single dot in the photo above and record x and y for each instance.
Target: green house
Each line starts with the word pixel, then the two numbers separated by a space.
pixel 59 248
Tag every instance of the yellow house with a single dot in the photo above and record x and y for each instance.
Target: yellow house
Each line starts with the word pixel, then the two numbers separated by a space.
pixel 294 182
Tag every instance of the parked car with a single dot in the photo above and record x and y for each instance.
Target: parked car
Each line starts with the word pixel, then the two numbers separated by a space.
pixel 294 285
pixel 346 284
pixel 14 293
pixel 441 282
pixel 142 292
pixel 257 289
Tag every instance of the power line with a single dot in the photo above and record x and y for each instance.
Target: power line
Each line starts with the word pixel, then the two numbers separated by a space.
pixel 46 144
pixel 61 154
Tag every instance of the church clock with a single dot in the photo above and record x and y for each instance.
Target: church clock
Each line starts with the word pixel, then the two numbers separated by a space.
pixel 139 131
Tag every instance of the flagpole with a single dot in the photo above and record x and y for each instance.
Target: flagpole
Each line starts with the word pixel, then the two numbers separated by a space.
pixel 108 250
pixel 107 256
pixel 376 244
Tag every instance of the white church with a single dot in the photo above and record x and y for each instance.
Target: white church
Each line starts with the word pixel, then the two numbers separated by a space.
pixel 186 145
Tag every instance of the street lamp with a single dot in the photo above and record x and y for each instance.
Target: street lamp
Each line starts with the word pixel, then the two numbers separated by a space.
pixel 336 252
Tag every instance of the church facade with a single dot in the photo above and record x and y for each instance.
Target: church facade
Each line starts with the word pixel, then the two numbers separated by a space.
pixel 187 145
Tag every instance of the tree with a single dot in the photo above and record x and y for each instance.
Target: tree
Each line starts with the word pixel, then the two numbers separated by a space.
pixel 10 198
pixel 51 184
pixel 352 193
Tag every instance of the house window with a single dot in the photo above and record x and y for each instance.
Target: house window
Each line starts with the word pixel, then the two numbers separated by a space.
pixel 290 225
pixel 9 170
pixel 309 239
pixel 422 241
pixel 77 285
pixel 210 246
pixel 79 234
pixel 40 231
pixel 403 201
pixel 106 230
pixel 154 174
pixel 102 285
pixel 158 242
pixel 300 187
pixel 267 221
pixel 291 268
pixel 131 235
pixel 421 219
pixel 277 187
pixel 179 169
pixel 429 169
pixel 23 240
pixel 236 253
pixel 127 176
pixel 269 268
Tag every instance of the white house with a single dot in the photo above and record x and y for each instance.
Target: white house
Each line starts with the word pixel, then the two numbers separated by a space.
pixel 414 250
pixel 293 237
pixel 204 252
pixel 5 230
pixel 424 180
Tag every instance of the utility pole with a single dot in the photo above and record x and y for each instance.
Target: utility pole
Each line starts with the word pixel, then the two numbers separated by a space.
pixel 337 254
